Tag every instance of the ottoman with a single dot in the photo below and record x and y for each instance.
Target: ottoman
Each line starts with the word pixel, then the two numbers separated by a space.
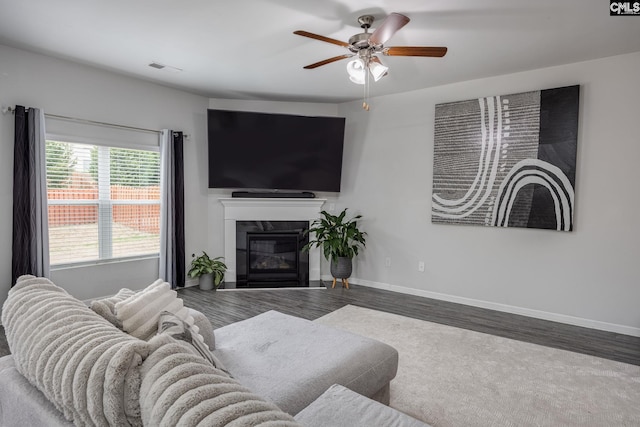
pixel 292 361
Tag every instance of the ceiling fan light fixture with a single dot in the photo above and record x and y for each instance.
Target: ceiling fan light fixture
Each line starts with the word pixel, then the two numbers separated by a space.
pixel 378 70
pixel 357 80
pixel 356 70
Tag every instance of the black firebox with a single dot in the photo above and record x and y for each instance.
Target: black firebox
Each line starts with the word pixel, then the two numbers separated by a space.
pixel 269 254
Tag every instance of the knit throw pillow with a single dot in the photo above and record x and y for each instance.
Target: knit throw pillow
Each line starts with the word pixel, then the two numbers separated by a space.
pixel 106 307
pixel 178 329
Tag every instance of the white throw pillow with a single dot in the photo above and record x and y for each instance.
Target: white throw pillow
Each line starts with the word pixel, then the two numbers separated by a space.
pixel 140 312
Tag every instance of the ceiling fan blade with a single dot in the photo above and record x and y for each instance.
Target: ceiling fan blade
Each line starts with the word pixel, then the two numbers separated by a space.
pixel 321 38
pixel 328 61
pixel 437 52
pixel 388 28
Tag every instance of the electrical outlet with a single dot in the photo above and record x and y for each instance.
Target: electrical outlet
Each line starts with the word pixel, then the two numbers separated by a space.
pixel 421 266
pixel 332 207
pixel 387 262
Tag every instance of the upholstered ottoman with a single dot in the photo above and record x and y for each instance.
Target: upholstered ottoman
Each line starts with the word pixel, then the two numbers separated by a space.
pixel 291 361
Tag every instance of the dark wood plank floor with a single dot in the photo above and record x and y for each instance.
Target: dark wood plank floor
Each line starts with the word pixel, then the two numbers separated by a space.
pixel 4 347
pixel 228 306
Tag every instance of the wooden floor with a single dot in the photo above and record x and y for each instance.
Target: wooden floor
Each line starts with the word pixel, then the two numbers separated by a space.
pixel 227 306
pixel 4 347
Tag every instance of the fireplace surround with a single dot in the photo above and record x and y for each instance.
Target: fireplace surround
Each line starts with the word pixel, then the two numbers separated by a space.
pixel 274 211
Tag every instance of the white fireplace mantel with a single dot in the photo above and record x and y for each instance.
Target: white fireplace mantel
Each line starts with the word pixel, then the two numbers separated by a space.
pixel 268 209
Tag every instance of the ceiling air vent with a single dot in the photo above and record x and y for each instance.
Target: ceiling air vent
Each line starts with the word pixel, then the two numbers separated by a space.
pixel 156 65
pixel 169 68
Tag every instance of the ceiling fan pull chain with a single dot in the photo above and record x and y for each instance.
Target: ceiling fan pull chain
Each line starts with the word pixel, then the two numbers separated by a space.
pixel 365 102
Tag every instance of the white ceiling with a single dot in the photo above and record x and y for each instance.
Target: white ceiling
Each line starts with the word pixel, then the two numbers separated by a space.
pixel 245 49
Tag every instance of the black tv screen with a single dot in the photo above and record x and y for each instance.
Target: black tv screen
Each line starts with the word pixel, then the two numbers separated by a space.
pixel 265 151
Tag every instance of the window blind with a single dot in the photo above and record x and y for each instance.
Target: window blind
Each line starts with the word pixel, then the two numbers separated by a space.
pixel 103 202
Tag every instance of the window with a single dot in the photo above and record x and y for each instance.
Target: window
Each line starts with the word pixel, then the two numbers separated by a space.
pixel 103 202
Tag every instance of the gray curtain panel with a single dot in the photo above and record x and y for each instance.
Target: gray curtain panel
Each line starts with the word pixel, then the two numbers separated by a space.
pixel 172 256
pixel 30 245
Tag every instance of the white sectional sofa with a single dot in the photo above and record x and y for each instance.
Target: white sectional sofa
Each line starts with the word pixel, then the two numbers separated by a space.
pixel 71 366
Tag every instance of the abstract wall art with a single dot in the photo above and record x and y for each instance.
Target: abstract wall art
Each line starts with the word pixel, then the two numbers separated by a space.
pixel 507 161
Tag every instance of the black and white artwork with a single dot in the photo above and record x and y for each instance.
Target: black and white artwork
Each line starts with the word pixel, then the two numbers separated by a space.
pixel 507 161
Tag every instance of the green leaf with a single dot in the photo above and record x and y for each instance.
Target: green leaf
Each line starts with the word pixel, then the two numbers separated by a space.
pixel 203 264
pixel 337 236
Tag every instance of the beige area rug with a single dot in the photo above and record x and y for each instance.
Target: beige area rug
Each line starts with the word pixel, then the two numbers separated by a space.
pixel 454 377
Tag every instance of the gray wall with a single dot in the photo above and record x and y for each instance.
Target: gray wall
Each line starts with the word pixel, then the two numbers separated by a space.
pixel 590 276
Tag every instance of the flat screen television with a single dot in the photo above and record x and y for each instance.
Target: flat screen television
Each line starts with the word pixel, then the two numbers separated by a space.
pixel 263 151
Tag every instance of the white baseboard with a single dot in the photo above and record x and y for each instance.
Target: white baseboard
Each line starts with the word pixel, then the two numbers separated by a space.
pixel 538 314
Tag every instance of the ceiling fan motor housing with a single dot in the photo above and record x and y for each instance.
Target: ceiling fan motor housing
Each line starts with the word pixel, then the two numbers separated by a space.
pixel 359 42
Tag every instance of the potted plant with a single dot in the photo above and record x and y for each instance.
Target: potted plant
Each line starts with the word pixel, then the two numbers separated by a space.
pixel 340 240
pixel 210 271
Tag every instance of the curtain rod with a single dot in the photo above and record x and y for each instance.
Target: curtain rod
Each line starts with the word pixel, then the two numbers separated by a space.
pixel 87 121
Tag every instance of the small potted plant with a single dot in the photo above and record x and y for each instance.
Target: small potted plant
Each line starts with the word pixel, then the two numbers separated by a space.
pixel 210 271
pixel 340 240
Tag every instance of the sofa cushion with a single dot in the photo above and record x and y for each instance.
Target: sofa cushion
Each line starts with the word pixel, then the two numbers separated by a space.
pixel 21 404
pixel 339 406
pixel 83 364
pixel 180 388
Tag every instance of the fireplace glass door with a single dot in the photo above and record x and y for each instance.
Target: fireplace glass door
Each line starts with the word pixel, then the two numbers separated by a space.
pixel 272 256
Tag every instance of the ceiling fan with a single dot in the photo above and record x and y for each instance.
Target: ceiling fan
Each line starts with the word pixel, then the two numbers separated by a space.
pixel 366 45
